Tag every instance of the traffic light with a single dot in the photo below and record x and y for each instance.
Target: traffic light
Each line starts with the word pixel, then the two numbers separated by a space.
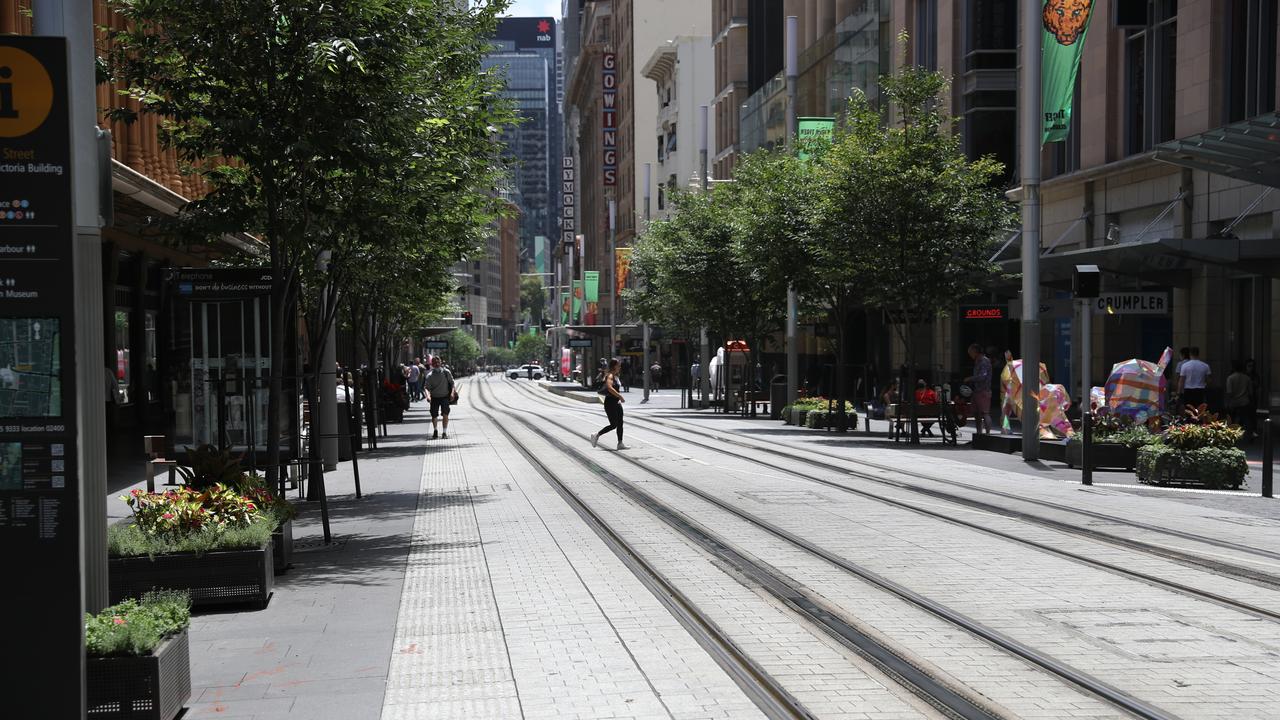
pixel 466 317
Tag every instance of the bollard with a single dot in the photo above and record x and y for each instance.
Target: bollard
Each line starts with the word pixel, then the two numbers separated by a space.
pixel 1268 455
pixel 1086 449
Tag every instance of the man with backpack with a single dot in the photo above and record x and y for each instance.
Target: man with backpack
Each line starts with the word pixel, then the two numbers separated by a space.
pixel 439 387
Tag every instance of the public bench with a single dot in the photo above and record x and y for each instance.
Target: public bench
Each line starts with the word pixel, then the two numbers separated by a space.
pixel 899 417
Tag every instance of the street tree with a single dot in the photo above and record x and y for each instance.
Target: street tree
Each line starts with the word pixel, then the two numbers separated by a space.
pixel 533 299
pixel 463 351
pixel 530 348
pixel 292 111
pixel 907 221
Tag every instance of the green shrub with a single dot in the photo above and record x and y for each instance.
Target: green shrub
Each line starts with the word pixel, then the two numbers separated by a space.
pixel 1214 434
pixel 129 540
pixel 136 627
pixel 786 414
pixel 1214 466
pixel 1134 437
pixel 816 419
pixel 209 466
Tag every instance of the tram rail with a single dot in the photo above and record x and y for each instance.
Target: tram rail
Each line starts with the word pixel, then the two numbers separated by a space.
pixel 955 702
pixel 1188 559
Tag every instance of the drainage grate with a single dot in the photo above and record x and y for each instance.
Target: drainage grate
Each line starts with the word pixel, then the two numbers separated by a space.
pixel 318 544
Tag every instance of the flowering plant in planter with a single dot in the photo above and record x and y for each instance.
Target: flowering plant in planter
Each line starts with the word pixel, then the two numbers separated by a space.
pixel 1196 446
pixel 136 627
pixel 188 520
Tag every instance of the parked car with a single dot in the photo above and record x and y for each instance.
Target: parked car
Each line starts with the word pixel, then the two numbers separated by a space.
pixel 524 371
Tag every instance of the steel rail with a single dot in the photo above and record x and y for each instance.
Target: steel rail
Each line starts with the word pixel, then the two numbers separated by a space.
pixel 1217 566
pixel 762 688
pixel 1080 679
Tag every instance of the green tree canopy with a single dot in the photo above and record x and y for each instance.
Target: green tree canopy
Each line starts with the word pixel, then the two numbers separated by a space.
pixel 530 348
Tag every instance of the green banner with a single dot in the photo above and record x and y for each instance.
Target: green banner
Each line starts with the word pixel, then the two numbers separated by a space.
pixel 1065 23
pixel 564 308
pixel 809 129
pixel 593 285
pixel 533 331
pixel 577 301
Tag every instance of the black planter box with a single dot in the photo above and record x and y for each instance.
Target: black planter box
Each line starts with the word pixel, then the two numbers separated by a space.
pixel 282 547
pixel 231 577
pixel 1115 456
pixel 154 687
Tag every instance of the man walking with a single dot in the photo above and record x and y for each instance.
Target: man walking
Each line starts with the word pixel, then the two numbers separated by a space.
pixel 1193 378
pixel 439 386
pixel 980 381
pixel 415 380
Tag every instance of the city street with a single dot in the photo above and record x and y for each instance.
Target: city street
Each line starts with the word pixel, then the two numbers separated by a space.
pixel 707 572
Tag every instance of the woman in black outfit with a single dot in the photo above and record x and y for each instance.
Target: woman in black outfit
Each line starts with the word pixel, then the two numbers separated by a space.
pixel 612 404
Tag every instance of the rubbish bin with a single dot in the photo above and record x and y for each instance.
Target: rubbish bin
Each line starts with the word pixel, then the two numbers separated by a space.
pixel 344 431
pixel 777 396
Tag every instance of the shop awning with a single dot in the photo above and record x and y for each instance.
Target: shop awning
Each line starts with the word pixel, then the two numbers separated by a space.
pixel 1247 150
pixel 1164 261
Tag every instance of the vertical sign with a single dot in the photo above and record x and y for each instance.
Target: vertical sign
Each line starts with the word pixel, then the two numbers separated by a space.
pixel 813 129
pixel 39 485
pixel 609 117
pixel 568 209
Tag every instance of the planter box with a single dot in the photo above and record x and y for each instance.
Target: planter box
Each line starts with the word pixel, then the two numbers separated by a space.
pixel 232 577
pixel 798 416
pixel 1178 468
pixel 154 687
pixel 282 547
pixel 1114 456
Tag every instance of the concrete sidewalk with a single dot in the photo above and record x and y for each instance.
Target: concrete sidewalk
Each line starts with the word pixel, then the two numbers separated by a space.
pixel 323 646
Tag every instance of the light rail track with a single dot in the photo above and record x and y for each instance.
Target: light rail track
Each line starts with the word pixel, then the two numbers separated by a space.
pixel 954 702
pixel 1216 566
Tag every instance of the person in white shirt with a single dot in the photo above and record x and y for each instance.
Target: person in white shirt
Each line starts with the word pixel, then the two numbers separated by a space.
pixel 1193 378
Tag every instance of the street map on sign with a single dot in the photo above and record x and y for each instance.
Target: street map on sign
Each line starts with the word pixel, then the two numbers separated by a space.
pixel 30 368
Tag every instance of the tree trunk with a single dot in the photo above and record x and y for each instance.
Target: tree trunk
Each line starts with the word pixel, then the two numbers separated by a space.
pixel 275 395
pixel 910 389
pixel 842 355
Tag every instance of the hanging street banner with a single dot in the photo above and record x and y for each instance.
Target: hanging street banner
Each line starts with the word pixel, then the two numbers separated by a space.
pixel 813 128
pixel 577 300
pixel 564 308
pixel 622 268
pixel 1065 23
pixel 593 286
pixel 568 209
pixel 609 117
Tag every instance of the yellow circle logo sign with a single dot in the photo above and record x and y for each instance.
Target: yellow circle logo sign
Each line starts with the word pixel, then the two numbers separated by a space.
pixel 26 93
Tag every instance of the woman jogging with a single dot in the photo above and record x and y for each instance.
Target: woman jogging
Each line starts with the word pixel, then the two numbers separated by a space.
pixel 612 404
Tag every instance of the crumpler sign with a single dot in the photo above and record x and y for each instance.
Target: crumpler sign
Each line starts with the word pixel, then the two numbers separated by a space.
pixel 1065 23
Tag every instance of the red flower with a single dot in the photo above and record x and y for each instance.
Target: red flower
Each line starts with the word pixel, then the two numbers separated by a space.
pixel 168 516
pixel 117 620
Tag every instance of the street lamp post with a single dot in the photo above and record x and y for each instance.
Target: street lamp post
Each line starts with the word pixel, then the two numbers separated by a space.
pixel 704 374
pixel 1029 100
pixel 793 352
pixel 613 277
pixel 644 339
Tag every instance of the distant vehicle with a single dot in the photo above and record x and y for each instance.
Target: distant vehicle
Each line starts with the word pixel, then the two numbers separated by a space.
pixel 523 372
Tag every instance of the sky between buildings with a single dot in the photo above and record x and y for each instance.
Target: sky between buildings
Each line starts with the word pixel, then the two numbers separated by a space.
pixel 534 8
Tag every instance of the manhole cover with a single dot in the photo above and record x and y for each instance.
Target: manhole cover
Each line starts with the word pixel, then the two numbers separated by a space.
pixel 784 497
pixel 1160 637
pixel 1248 521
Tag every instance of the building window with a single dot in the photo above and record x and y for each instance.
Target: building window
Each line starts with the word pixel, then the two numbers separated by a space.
pixel 1151 55
pixel 662 150
pixel 662 197
pixel 671 142
pixel 1251 58
pixel 925 41
pixel 1066 154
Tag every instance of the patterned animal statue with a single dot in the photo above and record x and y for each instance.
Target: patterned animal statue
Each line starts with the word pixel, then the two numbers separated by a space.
pixel 1136 388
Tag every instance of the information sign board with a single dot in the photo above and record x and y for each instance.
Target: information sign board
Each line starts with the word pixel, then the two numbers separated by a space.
pixel 437 345
pixel 580 342
pixel 39 482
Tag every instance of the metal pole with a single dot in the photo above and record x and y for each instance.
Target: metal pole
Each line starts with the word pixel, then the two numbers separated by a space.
pixel 793 303
pixel 1086 352
pixel 613 278
pixel 704 375
pixel 1029 105
pixel 644 351
pixel 353 435
pixel 1268 454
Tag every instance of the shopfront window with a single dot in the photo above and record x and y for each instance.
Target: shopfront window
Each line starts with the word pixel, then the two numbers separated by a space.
pixel 152 354
pixel 124 374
